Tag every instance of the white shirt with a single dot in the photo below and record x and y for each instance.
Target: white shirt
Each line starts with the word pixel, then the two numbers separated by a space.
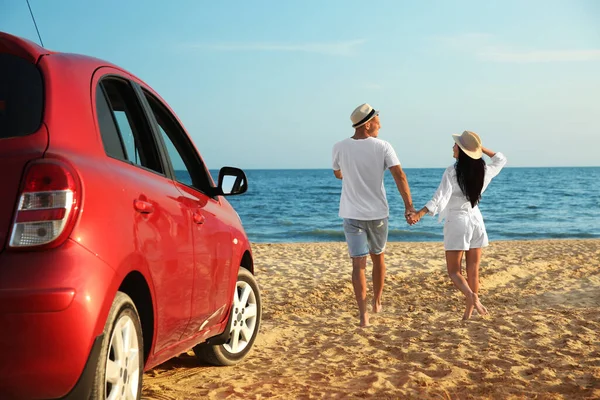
pixel 363 163
pixel 449 198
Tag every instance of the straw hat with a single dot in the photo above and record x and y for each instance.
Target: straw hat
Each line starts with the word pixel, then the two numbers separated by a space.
pixel 470 143
pixel 362 114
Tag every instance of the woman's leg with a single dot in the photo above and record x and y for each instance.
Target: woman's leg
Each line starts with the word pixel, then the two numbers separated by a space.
pixel 453 261
pixel 473 257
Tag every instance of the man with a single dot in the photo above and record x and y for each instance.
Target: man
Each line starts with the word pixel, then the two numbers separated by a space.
pixel 360 161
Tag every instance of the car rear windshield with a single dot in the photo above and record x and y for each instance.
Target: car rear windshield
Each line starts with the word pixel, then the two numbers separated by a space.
pixel 21 97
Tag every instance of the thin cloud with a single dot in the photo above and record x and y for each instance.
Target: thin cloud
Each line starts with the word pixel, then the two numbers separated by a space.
pixel 345 48
pixel 464 41
pixel 540 56
pixel 373 86
pixel 482 46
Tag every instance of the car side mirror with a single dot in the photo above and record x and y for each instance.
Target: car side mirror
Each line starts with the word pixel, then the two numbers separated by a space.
pixel 232 181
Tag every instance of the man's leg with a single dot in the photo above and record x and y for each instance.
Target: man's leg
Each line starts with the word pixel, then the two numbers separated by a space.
pixel 378 280
pixel 358 248
pixel 377 235
pixel 359 281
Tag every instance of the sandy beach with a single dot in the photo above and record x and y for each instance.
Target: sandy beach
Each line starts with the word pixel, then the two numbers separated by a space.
pixel 541 340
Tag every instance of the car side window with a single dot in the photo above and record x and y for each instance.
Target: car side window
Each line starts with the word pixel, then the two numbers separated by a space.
pixel 187 165
pixel 179 168
pixel 124 129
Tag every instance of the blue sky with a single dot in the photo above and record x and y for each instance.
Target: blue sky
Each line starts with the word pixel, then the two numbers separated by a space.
pixel 271 84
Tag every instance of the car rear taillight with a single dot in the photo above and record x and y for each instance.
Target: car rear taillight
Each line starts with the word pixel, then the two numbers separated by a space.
pixel 47 205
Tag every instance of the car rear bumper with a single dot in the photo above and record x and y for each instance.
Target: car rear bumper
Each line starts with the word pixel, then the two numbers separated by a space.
pixel 52 314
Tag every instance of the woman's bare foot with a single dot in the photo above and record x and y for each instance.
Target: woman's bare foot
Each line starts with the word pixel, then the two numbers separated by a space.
pixel 481 310
pixel 470 306
pixel 377 307
pixel 364 320
pixel 473 303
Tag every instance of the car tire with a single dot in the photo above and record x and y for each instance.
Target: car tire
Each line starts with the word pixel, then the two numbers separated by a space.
pixel 244 323
pixel 120 366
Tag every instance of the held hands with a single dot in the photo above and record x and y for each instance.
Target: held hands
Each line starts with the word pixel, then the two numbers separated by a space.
pixel 412 216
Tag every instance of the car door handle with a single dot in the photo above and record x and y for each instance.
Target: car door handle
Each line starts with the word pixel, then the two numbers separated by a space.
pixel 142 206
pixel 199 218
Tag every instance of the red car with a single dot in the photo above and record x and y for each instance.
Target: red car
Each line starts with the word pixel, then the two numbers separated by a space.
pixel 118 251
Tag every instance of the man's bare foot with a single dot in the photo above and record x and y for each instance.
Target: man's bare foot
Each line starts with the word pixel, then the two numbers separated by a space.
pixel 364 320
pixel 377 307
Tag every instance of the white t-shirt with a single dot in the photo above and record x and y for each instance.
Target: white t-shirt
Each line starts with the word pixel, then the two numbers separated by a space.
pixel 363 163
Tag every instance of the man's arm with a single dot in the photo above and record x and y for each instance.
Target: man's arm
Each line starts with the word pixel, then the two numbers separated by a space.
pixel 402 185
pixel 338 173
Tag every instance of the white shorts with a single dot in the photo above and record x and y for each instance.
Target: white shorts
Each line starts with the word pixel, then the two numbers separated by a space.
pixel 463 232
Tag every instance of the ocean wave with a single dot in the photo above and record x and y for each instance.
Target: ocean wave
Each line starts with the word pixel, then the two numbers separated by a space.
pixel 326 233
pixel 546 235
pixel 338 234
pixel 500 217
pixel 327 187
pixel 405 233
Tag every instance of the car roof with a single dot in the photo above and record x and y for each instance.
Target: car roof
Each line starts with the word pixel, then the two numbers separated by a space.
pixel 32 52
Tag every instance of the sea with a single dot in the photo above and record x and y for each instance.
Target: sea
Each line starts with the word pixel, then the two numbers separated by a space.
pixel 301 205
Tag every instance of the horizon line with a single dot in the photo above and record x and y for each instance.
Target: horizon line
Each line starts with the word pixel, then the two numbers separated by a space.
pixel 404 168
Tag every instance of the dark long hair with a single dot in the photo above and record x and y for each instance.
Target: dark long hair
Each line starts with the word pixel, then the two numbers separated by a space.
pixel 470 174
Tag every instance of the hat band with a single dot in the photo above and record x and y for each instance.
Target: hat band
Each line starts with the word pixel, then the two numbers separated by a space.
pixel 365 119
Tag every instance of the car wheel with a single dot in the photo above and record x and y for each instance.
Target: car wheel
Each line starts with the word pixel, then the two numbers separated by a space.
pixel 120 366
pixel 243 325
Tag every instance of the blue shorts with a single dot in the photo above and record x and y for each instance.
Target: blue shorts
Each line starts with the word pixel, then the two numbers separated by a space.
pixel 364 237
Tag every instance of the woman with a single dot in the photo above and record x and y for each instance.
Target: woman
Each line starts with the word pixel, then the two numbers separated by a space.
pixel 456 200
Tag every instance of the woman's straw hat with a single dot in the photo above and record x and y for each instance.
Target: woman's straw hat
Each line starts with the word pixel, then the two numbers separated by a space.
pixel 470 143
